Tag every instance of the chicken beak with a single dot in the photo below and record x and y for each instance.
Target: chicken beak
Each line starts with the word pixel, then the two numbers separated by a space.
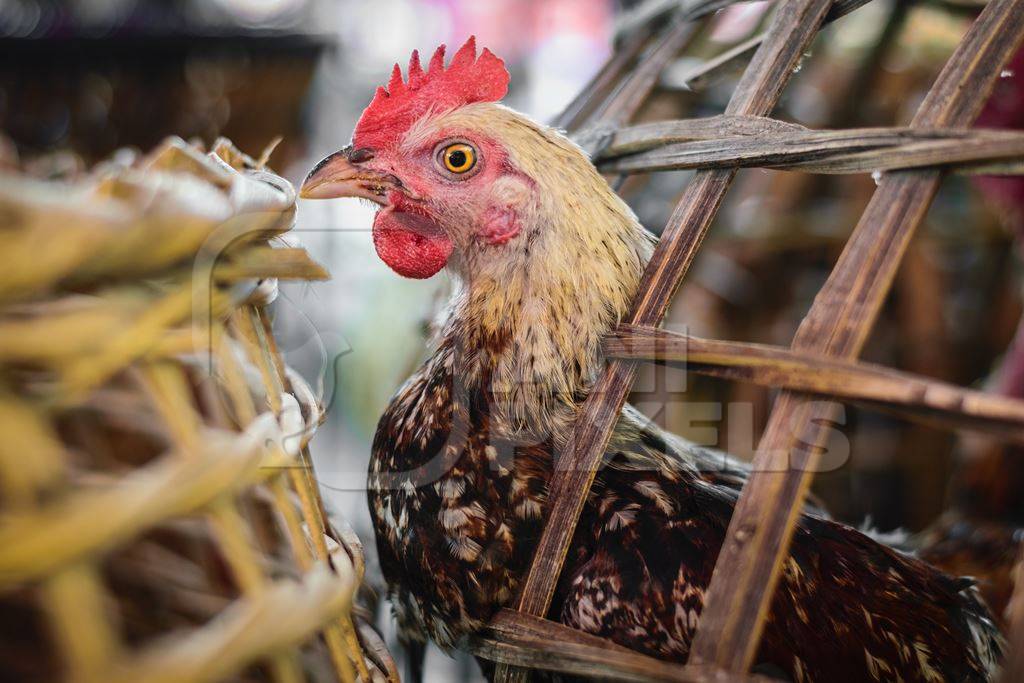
pixel 341 175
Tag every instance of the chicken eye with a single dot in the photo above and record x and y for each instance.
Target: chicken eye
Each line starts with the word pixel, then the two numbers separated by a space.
pixel 458 157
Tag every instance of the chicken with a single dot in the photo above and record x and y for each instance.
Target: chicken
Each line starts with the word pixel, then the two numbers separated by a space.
pixel 547 259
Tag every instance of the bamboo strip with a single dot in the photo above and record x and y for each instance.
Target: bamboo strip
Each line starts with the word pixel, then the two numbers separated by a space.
pixel 777 367
pixel 513 638
pixel 600 87
pixel 74 600
pixel 238 551
pixel 793 27
pixel 134 223
pixel 838 324
pixel 255 336
pixel 703 73
pixel 776 145
pixel 38 542
pixel 290 263
pixel 631 93
pixel 300 541
pixel 284 615
pixel 26 431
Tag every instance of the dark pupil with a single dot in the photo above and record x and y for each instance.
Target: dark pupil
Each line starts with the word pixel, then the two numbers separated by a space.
pixel 457 159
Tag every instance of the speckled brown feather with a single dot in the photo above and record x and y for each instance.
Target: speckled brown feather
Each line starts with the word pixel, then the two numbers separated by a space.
pixel 454 550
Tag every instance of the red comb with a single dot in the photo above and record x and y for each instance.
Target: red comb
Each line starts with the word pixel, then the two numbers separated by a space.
pixel 467 79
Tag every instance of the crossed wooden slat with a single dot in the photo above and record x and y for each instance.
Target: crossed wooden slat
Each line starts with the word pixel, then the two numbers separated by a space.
pixel 829 339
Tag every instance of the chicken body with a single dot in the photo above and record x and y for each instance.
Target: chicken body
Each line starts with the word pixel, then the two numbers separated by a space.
pixel 547 259
pixel 457 515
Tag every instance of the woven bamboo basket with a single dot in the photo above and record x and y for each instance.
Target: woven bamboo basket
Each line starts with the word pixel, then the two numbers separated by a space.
pixel 159 518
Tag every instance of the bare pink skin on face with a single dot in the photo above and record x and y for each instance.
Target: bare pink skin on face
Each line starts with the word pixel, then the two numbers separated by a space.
pixel 408 233
pixel 416 231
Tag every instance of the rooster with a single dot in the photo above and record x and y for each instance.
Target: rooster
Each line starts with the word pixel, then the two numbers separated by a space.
pixel 547 259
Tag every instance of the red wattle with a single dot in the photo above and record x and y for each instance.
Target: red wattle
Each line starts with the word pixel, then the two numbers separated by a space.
pixel 412 246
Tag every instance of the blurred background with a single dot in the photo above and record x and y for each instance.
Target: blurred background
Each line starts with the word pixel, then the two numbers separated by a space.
pixel 80 81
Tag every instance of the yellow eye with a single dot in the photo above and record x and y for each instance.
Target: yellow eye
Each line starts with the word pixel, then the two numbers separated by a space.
pixel 458 157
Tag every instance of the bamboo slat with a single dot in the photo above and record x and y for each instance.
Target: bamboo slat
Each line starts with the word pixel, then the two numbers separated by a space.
pixel 906 394
pixel 604 81
pixel 792 29
pixel 837 325
pixel 282 616
pixel 528 641
pixel 777 145
pixel 821 360
pixel 702 73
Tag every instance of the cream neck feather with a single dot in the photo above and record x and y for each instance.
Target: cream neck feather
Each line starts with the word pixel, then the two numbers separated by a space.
pixel 529 315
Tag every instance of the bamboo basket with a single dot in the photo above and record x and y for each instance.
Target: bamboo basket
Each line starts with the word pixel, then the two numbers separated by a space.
pixel 159 518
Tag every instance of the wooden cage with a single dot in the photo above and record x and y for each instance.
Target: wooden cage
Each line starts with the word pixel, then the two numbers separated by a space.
pixel 908 163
